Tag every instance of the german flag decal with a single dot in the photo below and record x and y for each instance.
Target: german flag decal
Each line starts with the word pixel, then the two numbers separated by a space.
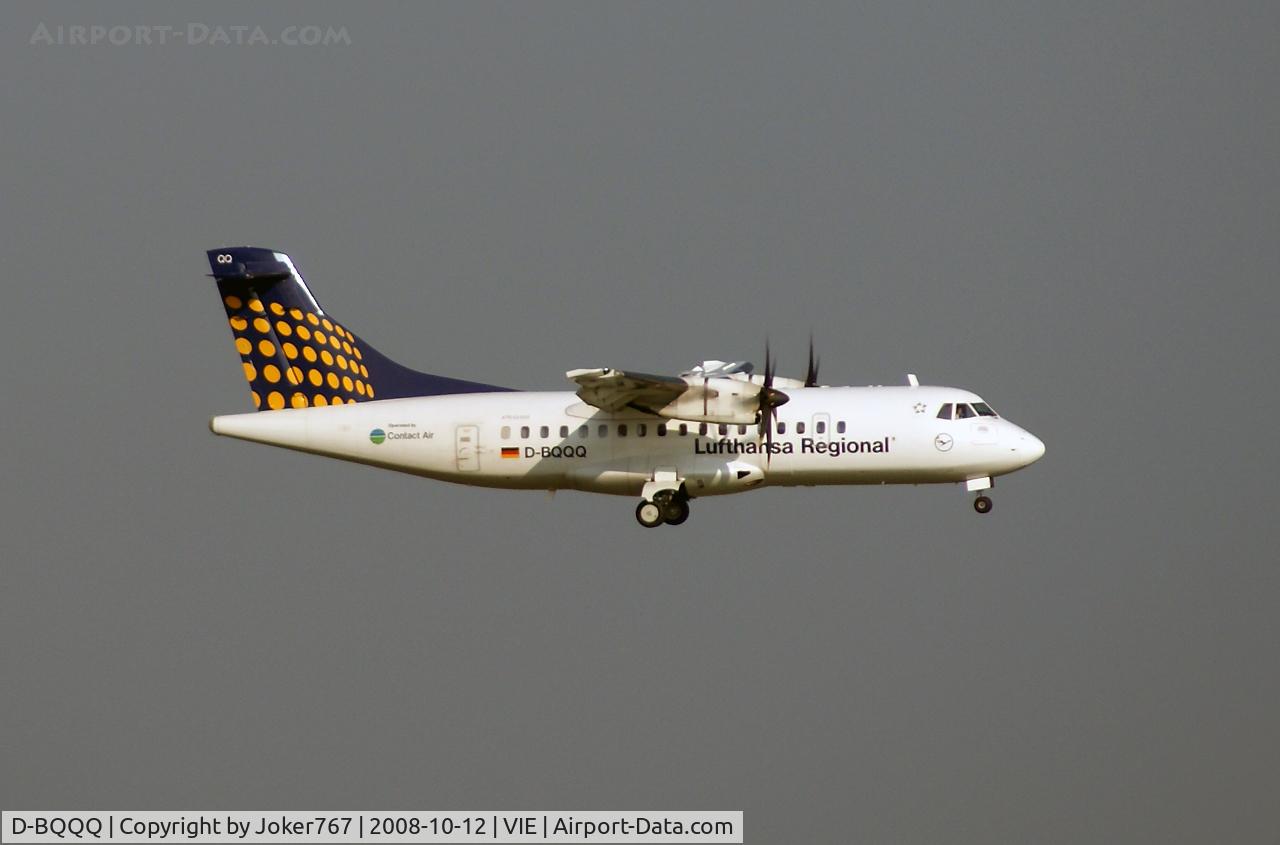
pixel 510 451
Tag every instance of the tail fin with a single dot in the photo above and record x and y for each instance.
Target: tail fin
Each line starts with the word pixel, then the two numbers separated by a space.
pixel 294 355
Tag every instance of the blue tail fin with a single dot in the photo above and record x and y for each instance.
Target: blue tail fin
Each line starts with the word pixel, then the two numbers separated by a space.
pixel 295 355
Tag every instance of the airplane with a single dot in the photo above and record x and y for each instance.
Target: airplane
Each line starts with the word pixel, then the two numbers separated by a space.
pixel 716 429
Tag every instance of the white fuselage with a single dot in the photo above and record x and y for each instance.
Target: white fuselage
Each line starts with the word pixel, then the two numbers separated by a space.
pixel 552 440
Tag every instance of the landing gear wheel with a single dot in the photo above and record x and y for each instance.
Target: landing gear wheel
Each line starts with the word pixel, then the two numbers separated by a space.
pixel 675 510
pixel 648 514
pixel 982 504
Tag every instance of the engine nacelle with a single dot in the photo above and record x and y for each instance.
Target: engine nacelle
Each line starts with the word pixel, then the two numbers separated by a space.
pixel 715 400
pixel 735 399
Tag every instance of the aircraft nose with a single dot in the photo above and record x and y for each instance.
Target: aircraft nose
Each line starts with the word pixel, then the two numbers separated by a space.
pixel 1030 447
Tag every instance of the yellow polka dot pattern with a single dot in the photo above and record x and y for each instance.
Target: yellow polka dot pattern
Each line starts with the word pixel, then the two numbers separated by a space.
pixel 333 373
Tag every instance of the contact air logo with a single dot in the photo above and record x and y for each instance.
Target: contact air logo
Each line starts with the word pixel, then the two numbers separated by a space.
pixel 377 436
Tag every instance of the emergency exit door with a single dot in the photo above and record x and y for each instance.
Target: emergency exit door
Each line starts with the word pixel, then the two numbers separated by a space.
pixel 467 441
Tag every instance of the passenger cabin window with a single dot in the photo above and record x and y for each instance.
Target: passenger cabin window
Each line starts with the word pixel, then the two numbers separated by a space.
pixel 506 432
pixel 840 427
pixel 582 432
pixel 820 427
pixel 684 430
pixel 641 429
pixel 545 432
pixel 524 432
pixel 603 430
pixel 984 410
pixel 944 413
pixel 742 429
pixel 782 427
pixel 702 428
pixel 724 429
pixel 564 431
pixel 799 428
pixel 622 429
pixel 963 412
pixel 662 429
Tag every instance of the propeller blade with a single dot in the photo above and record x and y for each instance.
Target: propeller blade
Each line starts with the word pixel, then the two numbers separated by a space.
pixel 768 437
pixel 762 414
pixel 769 399
pixel 811 372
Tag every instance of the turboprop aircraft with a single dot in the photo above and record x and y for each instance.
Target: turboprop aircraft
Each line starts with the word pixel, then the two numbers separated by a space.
pixel 716 429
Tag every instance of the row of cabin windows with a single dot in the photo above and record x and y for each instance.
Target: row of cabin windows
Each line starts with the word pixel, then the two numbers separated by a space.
pixel 661 430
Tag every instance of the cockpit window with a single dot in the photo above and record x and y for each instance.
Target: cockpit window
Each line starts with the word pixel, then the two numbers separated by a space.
pixel 983 409
pixel 944 413
pixel 963 412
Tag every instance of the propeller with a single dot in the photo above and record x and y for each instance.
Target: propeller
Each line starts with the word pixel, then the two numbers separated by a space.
pixel 770 398
pixel 811 374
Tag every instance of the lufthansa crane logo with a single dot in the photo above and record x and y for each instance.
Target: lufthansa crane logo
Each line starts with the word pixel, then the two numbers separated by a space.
pixel 944 442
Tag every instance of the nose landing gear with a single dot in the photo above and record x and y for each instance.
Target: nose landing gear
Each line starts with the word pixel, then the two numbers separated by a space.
pixel 976 485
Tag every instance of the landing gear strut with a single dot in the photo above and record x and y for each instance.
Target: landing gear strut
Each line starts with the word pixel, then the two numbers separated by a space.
pixel 669 506
pixel 982 504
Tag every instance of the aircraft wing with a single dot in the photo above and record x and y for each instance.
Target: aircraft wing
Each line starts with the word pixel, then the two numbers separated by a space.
pixel 612 390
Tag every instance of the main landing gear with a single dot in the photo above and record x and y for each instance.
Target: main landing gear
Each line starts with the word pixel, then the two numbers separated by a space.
pixel 667 506
pixel 982 504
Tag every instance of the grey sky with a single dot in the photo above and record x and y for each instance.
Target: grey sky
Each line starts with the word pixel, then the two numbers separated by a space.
pixel 1068 208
